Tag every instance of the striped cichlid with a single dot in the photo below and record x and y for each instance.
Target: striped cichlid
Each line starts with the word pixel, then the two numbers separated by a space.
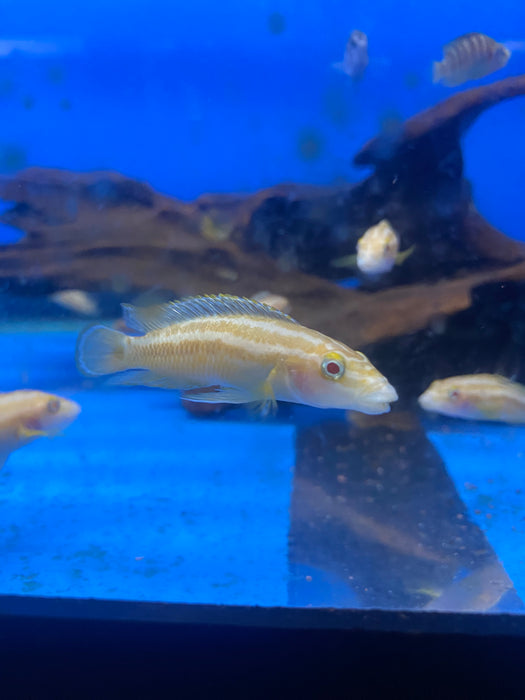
pixel 226 349
pixel 478 397
pixel 469 57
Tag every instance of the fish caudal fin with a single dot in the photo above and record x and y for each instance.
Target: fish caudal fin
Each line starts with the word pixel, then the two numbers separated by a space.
pixel 436 71
pixel 101 350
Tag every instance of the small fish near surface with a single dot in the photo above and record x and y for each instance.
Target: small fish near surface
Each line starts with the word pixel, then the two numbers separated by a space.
pixel 469 57
pixel 355 60
pixel 226 349
pixel 26 415
pixel 377 251
pixel 75 300
pixel 487 397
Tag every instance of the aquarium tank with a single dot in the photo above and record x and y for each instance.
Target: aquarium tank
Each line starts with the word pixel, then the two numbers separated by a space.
pixel 262 306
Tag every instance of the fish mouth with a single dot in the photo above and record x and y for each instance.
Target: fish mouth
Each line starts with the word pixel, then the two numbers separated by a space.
pixel 70 412
pixel 377 398
pixel 425 402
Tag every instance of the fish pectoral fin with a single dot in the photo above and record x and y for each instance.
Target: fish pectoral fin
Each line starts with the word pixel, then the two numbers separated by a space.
pixel 217 394
pixel 268 403
pixel 25 432
pixel 345 261
pixel 401 257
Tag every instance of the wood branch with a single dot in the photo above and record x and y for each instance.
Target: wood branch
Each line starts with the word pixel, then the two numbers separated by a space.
pixel 104 232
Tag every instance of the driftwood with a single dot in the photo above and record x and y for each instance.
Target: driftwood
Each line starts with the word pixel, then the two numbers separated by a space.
pixel 103 232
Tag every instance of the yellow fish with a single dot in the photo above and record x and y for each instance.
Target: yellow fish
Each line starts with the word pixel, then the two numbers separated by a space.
pixel 478 397
pixel 26 415
pixel 377 251
pixel 224 349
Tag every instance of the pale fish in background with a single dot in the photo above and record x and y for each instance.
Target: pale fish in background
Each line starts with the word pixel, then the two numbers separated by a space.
pixel 377 251
pixel 76 300
pixel 476 397
pixel 225 349
pixel 275 300
pixel 469 57
pixel 479 591
pixel 214 230
pixel 355 60
pixel 26 415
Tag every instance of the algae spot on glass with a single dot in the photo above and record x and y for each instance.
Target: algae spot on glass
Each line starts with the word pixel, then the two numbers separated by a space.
pixel 56 74
pixel 336 107
pixel 28 102
pixel 310 144
pixel 276 23
pixel 12 158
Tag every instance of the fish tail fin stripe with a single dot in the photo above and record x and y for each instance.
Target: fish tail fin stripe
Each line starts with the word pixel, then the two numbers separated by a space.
pixel 101 350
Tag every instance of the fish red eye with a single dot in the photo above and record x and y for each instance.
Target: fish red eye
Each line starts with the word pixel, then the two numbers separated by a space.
pixel 453 395
pixel 333 366
pixel 53 406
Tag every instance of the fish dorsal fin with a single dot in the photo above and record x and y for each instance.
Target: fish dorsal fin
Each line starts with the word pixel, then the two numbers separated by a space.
pixel 145 319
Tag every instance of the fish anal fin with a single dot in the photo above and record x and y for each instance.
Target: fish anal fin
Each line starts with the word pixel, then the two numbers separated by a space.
pixel 145 377
pixel 217 394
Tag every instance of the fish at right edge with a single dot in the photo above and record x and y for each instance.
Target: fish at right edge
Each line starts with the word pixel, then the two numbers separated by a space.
pixel 469 57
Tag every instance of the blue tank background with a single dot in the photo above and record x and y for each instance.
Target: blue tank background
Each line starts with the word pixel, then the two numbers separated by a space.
pixel 203 97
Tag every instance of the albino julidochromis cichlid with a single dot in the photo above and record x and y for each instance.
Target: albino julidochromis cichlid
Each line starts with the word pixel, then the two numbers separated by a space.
pixel 26 415
pixel 225 349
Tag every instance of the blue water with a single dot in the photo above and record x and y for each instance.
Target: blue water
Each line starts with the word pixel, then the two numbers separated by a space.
pixel 201 97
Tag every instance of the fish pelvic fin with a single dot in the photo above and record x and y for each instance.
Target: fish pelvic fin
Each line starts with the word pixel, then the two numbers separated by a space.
pixel 26 433
pixel 267 405
pixel 101 350
pixel 401 257
pixel 436 71
pixel 345 261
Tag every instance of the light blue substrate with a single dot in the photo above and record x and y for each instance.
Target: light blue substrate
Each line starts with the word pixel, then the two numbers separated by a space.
pixel 138 500
pixel 487 464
